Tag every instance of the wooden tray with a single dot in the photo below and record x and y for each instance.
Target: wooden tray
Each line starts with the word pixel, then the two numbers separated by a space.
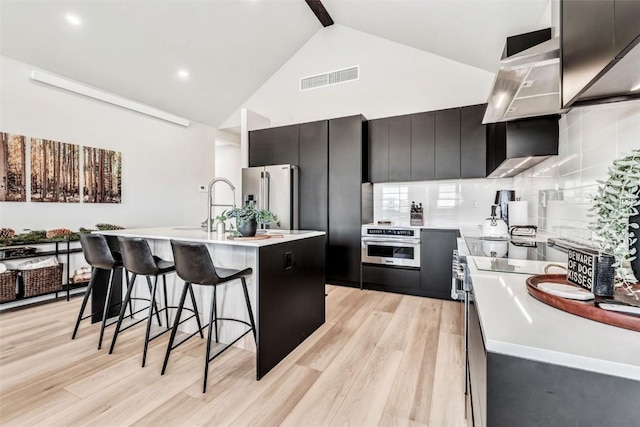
pixel 258 237
pixel 586 309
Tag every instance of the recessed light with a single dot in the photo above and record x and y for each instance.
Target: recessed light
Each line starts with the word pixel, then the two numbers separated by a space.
pixel 73 19
pixel 183 74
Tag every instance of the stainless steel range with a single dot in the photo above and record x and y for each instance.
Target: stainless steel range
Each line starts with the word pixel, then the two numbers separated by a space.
pixel 390 245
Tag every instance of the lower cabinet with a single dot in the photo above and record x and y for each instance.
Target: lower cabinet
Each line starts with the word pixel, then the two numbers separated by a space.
pixel 391 279
pixel 436 256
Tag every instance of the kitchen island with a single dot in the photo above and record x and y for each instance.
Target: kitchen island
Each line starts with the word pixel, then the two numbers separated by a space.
pixel 531 364
pixel 286 288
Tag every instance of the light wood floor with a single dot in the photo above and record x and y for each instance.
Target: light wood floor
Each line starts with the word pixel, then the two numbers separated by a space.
pixel 380 359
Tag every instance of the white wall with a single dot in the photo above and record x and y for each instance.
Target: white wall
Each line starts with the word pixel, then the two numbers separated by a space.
pixel 227 166
pixel 162 164
pixel 394 79
pixel 591 138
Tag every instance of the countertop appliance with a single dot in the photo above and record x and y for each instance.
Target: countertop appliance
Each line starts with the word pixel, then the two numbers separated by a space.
pixel 503 197
pixel 274 188
pixel 390 245
pixel 494 226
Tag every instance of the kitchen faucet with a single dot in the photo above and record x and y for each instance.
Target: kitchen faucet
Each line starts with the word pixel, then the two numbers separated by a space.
pixel 210 203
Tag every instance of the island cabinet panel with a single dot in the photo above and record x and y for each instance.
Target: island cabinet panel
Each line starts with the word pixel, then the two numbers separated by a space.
pixel 261 147
pixel 314 175
pixel 447 147
pixel 473 142
pixel 436 256
pixel 626 24
pixel 346 138
pixel 379 150
pixel 400 148
pixel 587 44
pixel 423 151
pixel 285 145
pixel 291 302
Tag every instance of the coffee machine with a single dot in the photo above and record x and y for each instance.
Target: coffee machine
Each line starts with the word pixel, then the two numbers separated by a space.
pixel 503 197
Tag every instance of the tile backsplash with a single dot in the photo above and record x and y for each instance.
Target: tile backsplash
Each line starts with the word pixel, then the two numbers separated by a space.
pixel 560 189
pixel 450 202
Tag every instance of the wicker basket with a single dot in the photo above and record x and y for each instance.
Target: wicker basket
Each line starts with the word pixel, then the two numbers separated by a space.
pixel 7 286
pixel 42 280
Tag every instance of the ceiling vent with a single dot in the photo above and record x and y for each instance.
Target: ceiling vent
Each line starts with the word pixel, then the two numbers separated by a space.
pixel 329 79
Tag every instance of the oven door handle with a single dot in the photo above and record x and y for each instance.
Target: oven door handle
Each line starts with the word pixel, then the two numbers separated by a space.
pixel 407 241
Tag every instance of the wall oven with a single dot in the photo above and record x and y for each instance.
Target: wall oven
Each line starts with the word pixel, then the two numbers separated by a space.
pixel 394 246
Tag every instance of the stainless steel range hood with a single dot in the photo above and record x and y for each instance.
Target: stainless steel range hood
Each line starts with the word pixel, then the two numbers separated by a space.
pixel 527 83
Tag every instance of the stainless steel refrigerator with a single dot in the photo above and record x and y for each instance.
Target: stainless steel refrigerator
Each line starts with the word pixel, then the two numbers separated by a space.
pixel 274 188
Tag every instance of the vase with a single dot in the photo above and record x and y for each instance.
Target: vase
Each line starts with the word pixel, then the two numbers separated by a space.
pixel 248 228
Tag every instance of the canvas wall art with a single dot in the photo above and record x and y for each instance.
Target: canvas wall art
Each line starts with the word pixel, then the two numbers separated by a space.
pixel 102 175
pixel 55 171
pixel 13 181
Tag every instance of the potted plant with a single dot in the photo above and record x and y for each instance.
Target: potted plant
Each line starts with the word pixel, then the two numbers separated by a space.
pixel 248 218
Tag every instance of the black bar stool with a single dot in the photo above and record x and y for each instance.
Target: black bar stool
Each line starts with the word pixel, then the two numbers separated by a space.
pixel 194 266
pixel 138 259
pixel 98 255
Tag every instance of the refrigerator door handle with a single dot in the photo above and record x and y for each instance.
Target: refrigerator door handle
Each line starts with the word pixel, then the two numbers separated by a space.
pixel 261 194
pixel 267 188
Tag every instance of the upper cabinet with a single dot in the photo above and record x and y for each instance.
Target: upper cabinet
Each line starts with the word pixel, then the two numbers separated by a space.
pixel 274 146
pixel 423 146
pixel 595 37
pixel 473 142
pixel 400 148
pixel 379 150
pixel 444 144
pixel 447 155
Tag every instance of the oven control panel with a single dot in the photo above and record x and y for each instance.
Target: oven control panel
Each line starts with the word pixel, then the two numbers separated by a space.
pixel 390 232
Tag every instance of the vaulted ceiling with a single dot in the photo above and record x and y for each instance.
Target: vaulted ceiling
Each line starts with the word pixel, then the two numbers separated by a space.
pixel 134 48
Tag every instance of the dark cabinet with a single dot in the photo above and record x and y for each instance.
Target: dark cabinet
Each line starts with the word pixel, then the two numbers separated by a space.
pixel 400 148
pixel 379 150
pixel 391 279
pixel 626 24
pixel 473 142
pixel 261 147
pixel 436 256
pixel 423 153
pixel 447 147
pixel 285 145
pixel 346 138
pixel 274 146
pixel 313 175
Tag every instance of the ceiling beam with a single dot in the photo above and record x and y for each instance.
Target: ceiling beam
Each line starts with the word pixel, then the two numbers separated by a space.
pixel 321 13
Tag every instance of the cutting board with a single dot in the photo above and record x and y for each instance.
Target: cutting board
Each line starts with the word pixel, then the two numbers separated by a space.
pixel 258 237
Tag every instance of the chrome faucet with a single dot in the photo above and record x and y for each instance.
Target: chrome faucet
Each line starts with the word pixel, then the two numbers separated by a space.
pixel 210 203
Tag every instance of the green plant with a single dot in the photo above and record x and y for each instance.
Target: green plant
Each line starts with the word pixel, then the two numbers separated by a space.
pixel 614 203
pixel 249 213
pixel 222 217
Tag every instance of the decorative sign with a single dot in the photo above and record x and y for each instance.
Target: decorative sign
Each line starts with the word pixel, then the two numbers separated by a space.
pixel 591 270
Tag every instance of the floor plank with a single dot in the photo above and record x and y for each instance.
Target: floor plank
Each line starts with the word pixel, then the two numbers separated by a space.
pixel 380 359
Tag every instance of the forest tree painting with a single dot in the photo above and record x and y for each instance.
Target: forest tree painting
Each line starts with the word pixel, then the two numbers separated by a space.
pixel 13 181
pixel 102 175
pixel 55 174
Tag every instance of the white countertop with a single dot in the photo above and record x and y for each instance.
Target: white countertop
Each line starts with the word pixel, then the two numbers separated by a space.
pixel 194 234
pixel 516 324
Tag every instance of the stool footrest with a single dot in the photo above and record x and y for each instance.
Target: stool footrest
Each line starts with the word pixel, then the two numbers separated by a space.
pixel 229 345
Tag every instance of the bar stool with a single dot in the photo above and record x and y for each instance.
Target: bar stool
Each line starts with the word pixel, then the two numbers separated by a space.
pixel 138 260
pixel 194 266
pixel 98 255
